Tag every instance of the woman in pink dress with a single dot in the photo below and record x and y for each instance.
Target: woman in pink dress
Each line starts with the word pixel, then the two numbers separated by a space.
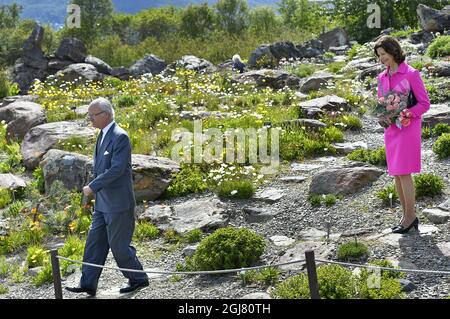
pixel 403 145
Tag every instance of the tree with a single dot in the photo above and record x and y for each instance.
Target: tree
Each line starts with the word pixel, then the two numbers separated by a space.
pixel 263 20
pixel 232 15
pixel 9 15
pixel 197 20
pixel 299 14
pixel 157 22
pixel 96 17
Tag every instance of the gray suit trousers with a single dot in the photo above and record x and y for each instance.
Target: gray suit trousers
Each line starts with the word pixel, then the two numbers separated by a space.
pixel 110 230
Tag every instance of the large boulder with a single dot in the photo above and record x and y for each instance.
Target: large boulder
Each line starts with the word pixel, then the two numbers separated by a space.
pixel 11 182
pixel 81 72
pixel 72 169
pixel 441 68
pixel 438 113
pixel 121 72
pixel 276 79
pixel 190 62
pixel 433 20
pixel 273 53
pixel 43 137
pixel 25 75
pixel 99 64
pixel 152 175
pixel 335 38
pixel 205 214
pixel 149 64
pixel 421 36
pixel 331 103
pixel 71 49
pixel 311 49
pixel 32 54
pixel 20 117
pixel 343 181
pixel 15 98
pixel 315 82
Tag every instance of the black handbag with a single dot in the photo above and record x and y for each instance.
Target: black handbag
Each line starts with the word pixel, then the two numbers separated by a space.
pixel 411 100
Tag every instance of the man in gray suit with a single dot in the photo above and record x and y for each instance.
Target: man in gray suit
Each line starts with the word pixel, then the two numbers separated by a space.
pixel 113 219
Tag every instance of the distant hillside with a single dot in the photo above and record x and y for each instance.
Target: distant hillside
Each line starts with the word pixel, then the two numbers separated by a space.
pixel 54 12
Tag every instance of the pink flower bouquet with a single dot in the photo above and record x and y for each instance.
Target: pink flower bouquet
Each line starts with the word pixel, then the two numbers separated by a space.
pixel 392 108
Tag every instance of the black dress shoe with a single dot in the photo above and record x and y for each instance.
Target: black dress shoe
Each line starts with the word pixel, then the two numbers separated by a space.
pixel 402 229
pixel 89 291
pixel 133 286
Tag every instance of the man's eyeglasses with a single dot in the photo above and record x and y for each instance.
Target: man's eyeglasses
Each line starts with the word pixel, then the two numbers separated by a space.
pixel 91 116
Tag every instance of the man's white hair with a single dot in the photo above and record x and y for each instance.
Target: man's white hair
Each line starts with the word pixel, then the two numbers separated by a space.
pixel 104 105
pixel 236 58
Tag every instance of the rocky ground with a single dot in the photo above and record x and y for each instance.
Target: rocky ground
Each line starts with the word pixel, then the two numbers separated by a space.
pixel 292 216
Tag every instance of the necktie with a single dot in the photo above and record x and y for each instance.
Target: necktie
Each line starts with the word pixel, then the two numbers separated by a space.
pixel 99 142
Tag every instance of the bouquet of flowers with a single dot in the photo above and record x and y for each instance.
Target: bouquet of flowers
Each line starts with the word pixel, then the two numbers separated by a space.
pixel 392 108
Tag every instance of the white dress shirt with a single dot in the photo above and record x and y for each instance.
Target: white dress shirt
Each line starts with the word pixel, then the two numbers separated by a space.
pixel 105 130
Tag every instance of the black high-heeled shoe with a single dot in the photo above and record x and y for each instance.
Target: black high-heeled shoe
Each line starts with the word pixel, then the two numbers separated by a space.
pixel 402 229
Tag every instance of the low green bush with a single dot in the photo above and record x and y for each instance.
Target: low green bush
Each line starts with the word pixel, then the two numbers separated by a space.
pixel 442 146
pixel 374 157
pixel 193 236
pixel 228 248
pixel 335 282
pixel 36 256
pixel 388 195
pixel 440 128
pixel 238 189
pixel 352 251
pixel 5 197
pixel 428 185
pixel 189 180
pixel 145 230
pixel 440 47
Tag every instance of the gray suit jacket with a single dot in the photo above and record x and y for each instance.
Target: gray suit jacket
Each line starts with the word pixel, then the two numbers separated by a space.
pixel 113 184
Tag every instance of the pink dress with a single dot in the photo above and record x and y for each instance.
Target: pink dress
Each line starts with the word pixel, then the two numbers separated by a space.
pixel 403 146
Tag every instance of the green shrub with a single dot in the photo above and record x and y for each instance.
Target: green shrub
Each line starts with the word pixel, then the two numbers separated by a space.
pixel 126 100
pixel 4 84
pixel 388 195
pixel 389 286
pixel 351 122
pixel 73 249
pixel 188 180
pixel 426 132
pixel 352 251
pixel 248 276
pixel 315 200
pixel 335 67
pixel 5 197
pixel 36 256
pixel 3 289
pixel 328 199
pixel 228 248
pixel 145 230
pixel 329 55
pixel 440 129
pixel 385 273
pixel 171 236
pixel 389 289
pixel 428 185
pixel 303 70
pixel 440 47
pixel 442 146
pixel 14 209
pixel 4 267
pixel 45 276
pixel 335 282
pixel 238 189
pixel 376 157
pixel 333 135
pixel 269 276
pixel 38 179
pixel 193 236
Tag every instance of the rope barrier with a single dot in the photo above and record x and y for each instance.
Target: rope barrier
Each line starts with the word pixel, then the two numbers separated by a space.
pixel 225 271
pixel 164 272
pixel 438 272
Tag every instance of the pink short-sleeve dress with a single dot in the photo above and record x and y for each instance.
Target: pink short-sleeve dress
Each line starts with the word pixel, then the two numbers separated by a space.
pixel 403 146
